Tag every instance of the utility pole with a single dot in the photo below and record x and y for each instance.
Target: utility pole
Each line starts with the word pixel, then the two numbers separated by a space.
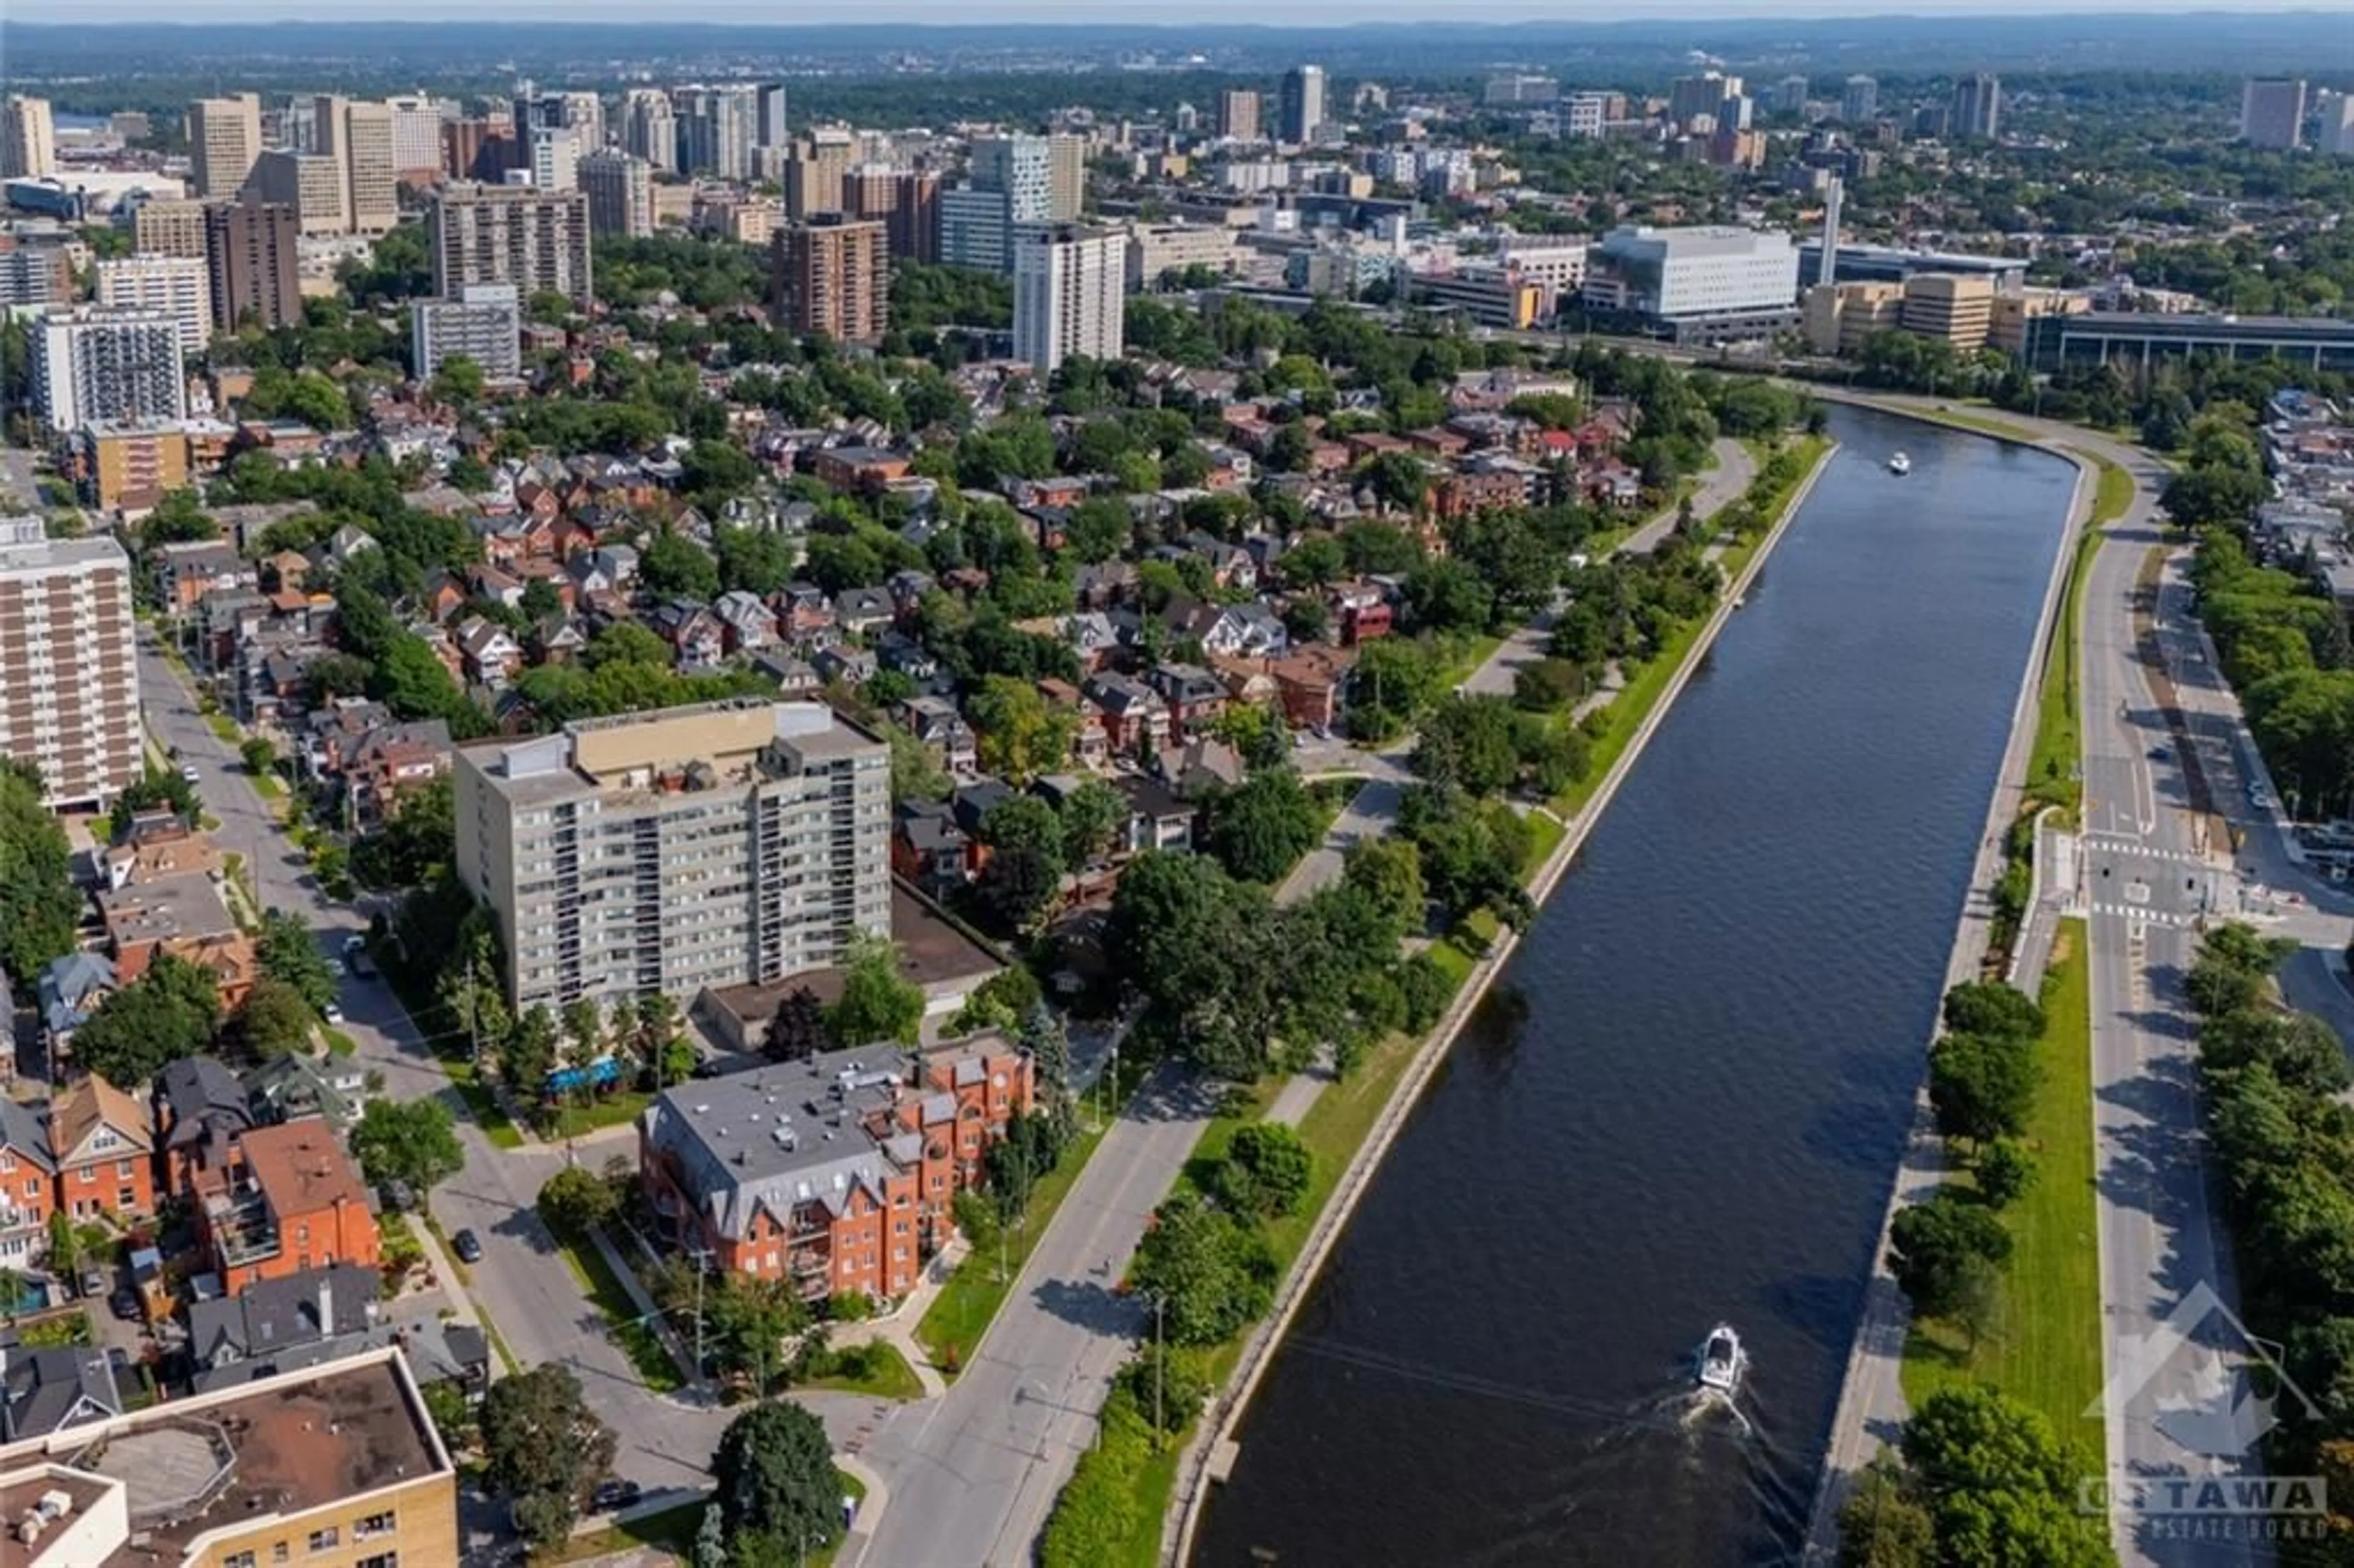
pixel 1160 1363
pixel 700 1255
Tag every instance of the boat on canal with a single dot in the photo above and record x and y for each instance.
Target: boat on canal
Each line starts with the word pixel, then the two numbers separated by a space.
pixel 1721 1361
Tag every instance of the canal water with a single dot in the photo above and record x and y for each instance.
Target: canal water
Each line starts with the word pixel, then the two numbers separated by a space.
pixel 1685 1101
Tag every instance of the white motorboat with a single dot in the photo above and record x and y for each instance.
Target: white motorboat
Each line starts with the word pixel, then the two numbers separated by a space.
pixel 1900 464
pixel 1722 1360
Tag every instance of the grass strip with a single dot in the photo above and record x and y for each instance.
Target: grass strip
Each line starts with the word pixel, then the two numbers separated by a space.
pixel 605 1290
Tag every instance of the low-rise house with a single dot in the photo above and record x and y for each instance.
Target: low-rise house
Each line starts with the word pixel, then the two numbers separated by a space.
pixel 29 1184
pixel 46 1389
pixel 1157 818
pixel 185 916
pixel 802 608
pixel 558 640
pixel 186 571
pixel 393 760
pixel 288 1199
pixel 158 844
pixel 293 1087
pixel 201 1109
pixel 929 848
pixel 866 470
pixel 863 611
pixel 936 723
pixel 697 639
pixel 852 666
pixel 1092 636
pixel 1238 631
pixel 1231 565
pixel 68 992
pixel 899 652
pixel 1104 584
pixel 794 677
pixel 490 654
pixel 1359 612
pixel 1195 696
pixel 1134 717
pixel 102 1151
pixel 1199 766
pixel 746 622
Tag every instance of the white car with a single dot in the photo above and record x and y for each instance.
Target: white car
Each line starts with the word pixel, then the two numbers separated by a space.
pixel 332 1013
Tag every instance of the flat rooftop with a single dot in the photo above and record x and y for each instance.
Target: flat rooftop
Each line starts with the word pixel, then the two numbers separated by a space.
pixel 708 745
pixel 166 909
pixel 286 1446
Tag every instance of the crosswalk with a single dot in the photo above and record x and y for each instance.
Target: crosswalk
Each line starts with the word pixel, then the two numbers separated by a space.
pixel 2098 844
pixel 2147 916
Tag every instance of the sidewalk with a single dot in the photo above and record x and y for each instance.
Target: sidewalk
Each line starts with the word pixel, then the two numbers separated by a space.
pixel 898 1327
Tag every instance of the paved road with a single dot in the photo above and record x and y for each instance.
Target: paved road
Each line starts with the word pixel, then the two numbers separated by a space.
pixel 974 1474
pixel 2146 878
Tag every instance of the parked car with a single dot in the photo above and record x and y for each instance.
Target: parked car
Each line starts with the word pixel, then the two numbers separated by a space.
pixel 612 1496
pixel 188 771
pixel 128 1306
pixel 355 954
pixel 468 1246
pixel 93 1284
pixel 333 1012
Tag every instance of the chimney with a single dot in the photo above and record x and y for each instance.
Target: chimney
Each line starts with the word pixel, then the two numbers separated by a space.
pixel 327 1303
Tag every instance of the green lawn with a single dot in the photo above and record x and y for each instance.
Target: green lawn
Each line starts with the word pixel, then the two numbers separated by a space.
pixel 340 1044
pixel 1545 833
pixel 604 1290
pixel 960 1314
pixel 433 1022
pixel 1985 424
pixel 2052 764
pixel 2114 493
pixel 2043 1341
pixel 605 1110
pixel 892 1377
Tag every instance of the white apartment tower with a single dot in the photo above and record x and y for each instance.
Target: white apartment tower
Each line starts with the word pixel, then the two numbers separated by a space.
pixel 484 323
pixel 224 140
pixel 535 240
pixel 556 158
pixel 1069 294
pixel 91 365
pixel 714 846
pixel 69 669
pixel 648 128
pixel 180 287
pixel 621 190
pixel 29 138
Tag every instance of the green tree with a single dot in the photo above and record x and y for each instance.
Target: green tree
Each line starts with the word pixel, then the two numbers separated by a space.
pixel 1049 1044
pixel 1205 1272
pixel 38 905
pixel 274 1019
pixel 415 1141
pixel 527 1052
pixel 797 1030
pixel 458 381
pixel 1259 829
pixel 1394 680
pixel 1884 1526
pixel 1019 734
pixel 542 1448
pixel 2005 1170
pixel 1267 1170
pixel 1388 871
pixel 675 567
pixel 1471 742
pixel 748 1321
pixel 2000 1486
pixel 877 1001
pixel 1981 1086
pixel 1945 1252
pixel 288 954
pixel 755 560
pixel 168 1012
pixel 1093 816
pixel 574 1200
pixel 775 1484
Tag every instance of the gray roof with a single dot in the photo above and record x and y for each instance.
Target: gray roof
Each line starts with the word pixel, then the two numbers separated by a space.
pixel 195 1089
pixel 780 1136
pixel 25 1132
pixel 48 1388
pixel 272 1316
pixel 67 984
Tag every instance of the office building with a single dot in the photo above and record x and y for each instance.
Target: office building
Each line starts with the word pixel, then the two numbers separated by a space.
pixel 712 845
pixel 649 129
pixel 1238 114
pixel 178 286
pixel 1956 307
pixel 2271 112
pixel 974 230
pixel 768 115
pixel 224 141
pixel 1585 113
pixel 265 1471
pixel 908 201
pixel 416 138
pixel 837 1175
pixel 537 240
pixel 582 113
pixel 484 323
pixel 1160 253
pixel 166 226
pixel 1042 178
pixel 1976 108
pixel 1069 294
pixel 92 363
pixel 1859 100
pixel 1695 285
pixel 309 184
pixel 1521 91
pixel 621 190
pixel 1854 263
pixel 68 666
pixel 718 129
pixel 815 168
pixel 252 262
pixel 833 276
pixel 129 465
pixel 1303 103
pixel 1790 95
pixel 251 253
pixel 556 158
pixel 28 139
pixel 2338 125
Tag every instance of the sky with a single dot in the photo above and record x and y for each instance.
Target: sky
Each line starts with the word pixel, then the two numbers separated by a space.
pixel 1283 13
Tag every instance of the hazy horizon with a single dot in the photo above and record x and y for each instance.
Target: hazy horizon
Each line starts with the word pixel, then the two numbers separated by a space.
pixel 1304 14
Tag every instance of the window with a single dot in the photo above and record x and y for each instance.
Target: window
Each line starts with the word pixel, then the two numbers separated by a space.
pixel 376 1524
pixel 123 1170
pixel 326 1540
pixel 282 1551
pixel 238 1559
pixel 381 1560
